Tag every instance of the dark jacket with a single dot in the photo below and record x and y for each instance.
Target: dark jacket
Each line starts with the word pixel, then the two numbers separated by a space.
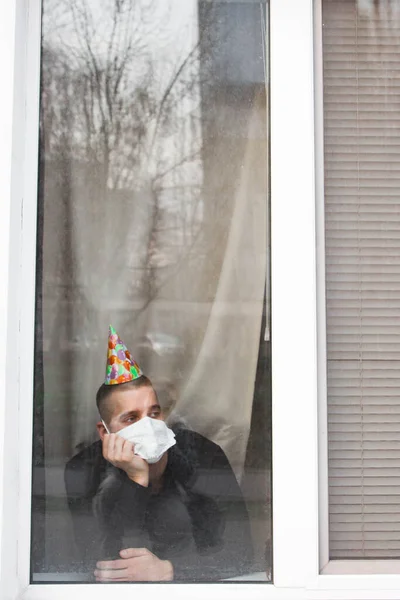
pixel 198 520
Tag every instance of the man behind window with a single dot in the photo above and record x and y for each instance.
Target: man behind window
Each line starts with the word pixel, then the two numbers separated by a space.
pixel 149 504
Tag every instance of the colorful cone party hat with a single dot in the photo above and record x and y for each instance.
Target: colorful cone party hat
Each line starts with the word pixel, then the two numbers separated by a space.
pixel 120 365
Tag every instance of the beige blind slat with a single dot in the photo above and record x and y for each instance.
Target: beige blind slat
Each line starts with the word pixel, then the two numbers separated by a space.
pixel 361 45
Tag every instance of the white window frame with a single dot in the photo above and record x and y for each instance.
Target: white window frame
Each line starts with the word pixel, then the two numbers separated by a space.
pixel 300 522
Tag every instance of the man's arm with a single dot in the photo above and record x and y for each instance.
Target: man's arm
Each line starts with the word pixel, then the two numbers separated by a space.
pixel 119 507
pixel 105 505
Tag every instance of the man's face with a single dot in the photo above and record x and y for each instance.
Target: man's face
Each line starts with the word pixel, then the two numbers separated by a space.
pixel 129 406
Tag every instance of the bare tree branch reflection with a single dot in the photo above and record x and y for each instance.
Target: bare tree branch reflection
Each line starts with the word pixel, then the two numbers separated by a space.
pixel 131 132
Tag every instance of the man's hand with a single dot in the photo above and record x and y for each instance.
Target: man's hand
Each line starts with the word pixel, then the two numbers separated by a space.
pixel 120 453
pixel 136 564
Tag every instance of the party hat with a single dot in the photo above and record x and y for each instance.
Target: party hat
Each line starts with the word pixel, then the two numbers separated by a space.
pixel 120 365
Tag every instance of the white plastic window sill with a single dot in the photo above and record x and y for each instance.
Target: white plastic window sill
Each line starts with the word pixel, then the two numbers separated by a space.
pixel 328 587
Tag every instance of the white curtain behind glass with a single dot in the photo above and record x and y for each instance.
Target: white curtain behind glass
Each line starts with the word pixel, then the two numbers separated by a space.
pixel 155 194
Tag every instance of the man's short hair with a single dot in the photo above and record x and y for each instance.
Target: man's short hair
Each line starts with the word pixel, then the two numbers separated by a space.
pixel 104 392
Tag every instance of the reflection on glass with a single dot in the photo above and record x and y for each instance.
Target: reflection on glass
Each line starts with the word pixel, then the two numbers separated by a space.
pixel 153 202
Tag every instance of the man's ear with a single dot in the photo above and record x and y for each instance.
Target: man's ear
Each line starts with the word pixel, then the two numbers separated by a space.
pixel 101 430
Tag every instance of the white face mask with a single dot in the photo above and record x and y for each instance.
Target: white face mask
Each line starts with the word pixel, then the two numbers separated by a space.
pixel 151 438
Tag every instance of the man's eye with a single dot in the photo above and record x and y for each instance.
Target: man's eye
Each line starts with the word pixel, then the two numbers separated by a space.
pixel 154 415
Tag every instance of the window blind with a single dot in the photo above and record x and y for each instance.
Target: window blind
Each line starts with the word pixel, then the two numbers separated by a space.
pixel 361 48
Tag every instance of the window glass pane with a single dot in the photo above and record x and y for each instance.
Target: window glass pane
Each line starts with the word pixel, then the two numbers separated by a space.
pixel 362 187
pixel 153 217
